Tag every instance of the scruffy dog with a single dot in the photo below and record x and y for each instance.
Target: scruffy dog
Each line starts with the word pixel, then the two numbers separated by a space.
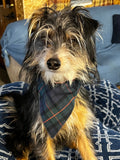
pixel 55 111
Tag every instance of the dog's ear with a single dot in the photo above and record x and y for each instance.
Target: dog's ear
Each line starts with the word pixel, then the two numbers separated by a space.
pixel 36 20
pixel 82 19
pixel 87 26
pixel 39 18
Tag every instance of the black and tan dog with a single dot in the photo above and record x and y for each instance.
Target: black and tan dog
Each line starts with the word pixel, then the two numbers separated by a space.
pixel 55 111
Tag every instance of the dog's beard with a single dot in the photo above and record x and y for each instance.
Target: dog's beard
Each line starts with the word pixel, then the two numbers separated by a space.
pixel 64 73
pixel 54 78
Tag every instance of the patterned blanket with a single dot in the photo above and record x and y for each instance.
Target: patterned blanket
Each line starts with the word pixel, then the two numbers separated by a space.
pixel 105 99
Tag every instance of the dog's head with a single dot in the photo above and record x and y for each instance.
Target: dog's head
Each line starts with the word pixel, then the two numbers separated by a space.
pixel 61 45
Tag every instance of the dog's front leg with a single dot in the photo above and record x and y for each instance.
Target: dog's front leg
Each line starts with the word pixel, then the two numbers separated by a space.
pixel 26 156
pixel 50 148
pixel 85 147
pixel 45 149
pixel 19 146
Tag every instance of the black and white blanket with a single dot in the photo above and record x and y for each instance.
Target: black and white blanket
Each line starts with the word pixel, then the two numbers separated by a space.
pixel 105 99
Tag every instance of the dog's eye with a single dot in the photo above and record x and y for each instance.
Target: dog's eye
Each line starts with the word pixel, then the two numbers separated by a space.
pixel 74 40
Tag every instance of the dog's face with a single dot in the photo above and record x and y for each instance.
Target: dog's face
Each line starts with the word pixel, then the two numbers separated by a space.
pixel 61 45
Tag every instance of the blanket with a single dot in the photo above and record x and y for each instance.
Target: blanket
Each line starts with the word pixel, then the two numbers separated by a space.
pixel 105 99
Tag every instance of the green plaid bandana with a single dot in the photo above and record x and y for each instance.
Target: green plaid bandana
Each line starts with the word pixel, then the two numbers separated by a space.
pixel 56 104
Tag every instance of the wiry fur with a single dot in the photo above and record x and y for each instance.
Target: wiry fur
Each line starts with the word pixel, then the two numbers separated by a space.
pixel 70 32
pixel 67 36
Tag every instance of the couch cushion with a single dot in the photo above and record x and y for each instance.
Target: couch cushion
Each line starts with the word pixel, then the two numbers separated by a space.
pixel 14 41
pixel 109 63
pixel 116 29
pixel 104 16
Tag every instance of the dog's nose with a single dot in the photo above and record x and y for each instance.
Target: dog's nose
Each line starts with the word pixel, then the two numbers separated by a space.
pixel 53 63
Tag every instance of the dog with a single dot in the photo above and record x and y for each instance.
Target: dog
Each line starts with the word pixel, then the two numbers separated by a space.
pixel 60 59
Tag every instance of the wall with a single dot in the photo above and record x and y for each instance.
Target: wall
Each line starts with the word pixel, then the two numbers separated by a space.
pixel 24 8
pixel 31 5
pixel 116 1
pixel 96 3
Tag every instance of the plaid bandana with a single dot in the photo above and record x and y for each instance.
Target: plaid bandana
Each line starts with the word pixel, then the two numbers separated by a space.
pixel 56 104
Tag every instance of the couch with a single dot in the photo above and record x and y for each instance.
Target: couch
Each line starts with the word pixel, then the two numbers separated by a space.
pixel 14 41
pixel 108 41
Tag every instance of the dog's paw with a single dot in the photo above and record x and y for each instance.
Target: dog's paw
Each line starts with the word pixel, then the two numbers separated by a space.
pixel 18 147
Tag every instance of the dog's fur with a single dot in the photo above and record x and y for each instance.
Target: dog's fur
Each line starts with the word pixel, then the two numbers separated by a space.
pixel 68 38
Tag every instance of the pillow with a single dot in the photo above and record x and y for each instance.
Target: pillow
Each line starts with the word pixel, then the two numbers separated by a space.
pixel 116 29
pixel 14 40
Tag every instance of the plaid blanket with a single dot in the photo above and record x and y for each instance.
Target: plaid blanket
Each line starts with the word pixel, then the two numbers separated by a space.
pixel 105 99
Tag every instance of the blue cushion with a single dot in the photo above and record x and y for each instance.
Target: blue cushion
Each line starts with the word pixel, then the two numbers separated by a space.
pixel 14 41
pixel 104 16
pixel 109 63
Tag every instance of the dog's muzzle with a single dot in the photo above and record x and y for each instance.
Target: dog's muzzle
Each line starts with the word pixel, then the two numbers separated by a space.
pixel 53 63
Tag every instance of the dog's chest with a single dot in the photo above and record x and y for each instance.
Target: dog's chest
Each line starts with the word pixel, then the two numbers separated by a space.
pixel 76 124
